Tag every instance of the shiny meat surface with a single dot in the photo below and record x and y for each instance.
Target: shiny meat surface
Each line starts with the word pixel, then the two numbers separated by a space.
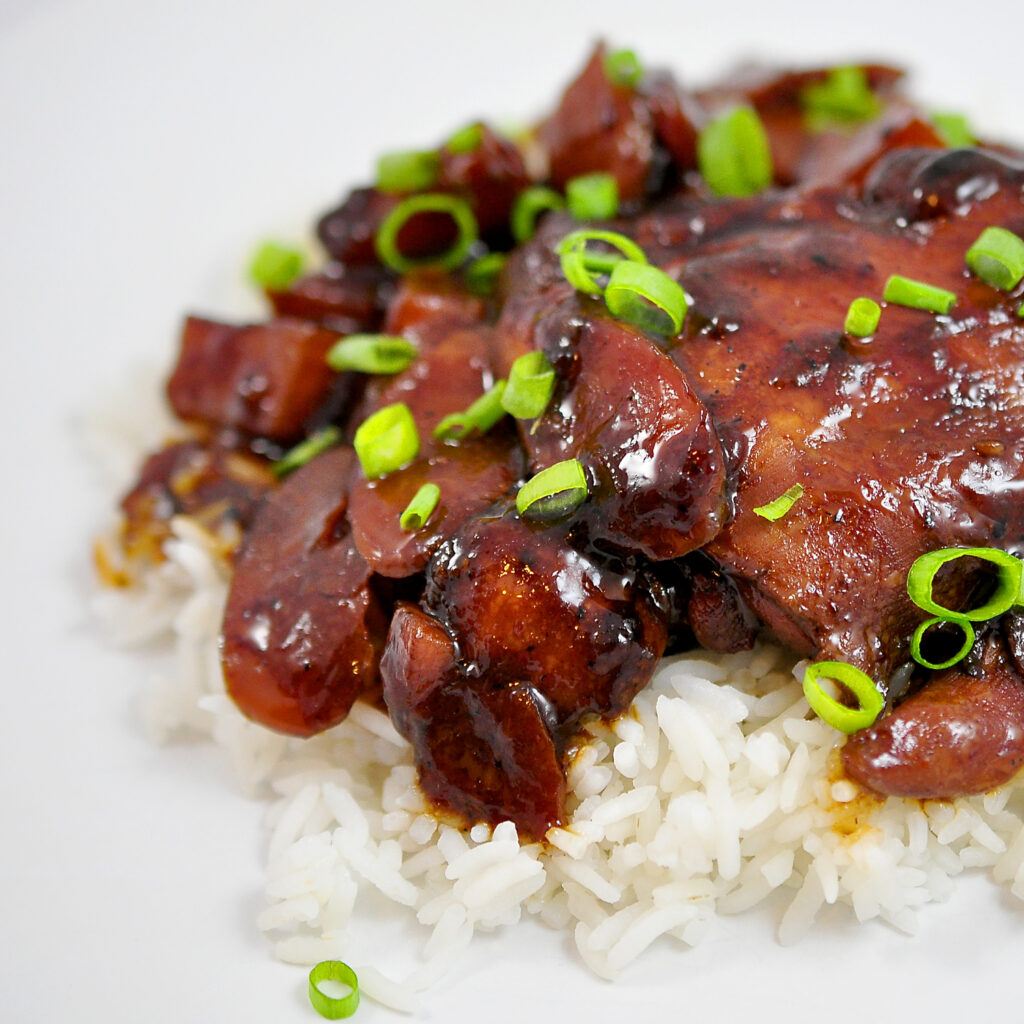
pixel 500 636
pixel 302 629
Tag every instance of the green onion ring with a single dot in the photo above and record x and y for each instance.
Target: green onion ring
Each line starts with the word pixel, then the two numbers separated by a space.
pixel 408 170
pixel 623 68
pixel 420 509
pixel 862 318
pixel 831 711
pixel 387 440
pixel 274 266
pixel 592 196
pixel 530 383
pixel 646 297
pixel 480 416
pixel 997 257
pixel 733 153
pixel 306 450
pixel 921 577
pixel 529 205
pixel 328 1006
pixel 371 353
pixel 386 241
pixel 577 261
pixel 915 642
pixel 554 492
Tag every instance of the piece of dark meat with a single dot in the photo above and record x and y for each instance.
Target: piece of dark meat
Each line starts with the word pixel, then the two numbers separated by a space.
pixel 960 734
pixel 218 487
pixel 630 132
pixel 516 621
pixel 264 380
pixel 302 630
pixel 488 177
pixel 621 406
pixel 484 750
pixel 346 299
pixel 447 377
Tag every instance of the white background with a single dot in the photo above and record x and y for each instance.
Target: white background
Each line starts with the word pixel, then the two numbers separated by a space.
pixel 143 148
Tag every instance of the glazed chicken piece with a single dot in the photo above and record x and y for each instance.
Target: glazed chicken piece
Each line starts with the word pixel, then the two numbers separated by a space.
pixel 520 635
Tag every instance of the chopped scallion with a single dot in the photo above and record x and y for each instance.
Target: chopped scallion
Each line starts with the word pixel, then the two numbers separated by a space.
pixel 997 257
pixel 274 266
pixel 387 440
pixel 480 416
pixel 646 297
pixel 862 317
pixel 529 205
pixel 921 579
pixel 482 273
pixel 953 128
pixel 844 95
pixel 338 973
pixel 622 67
pixel 429 202
pixel 408 170
pixel 580 263
pixel 530 383
pixel 733 153
pixel 902 291
pixel 592 196
pixel 420 509
pixel 777 508
pixel 306 450
pixel 915 642
pixel 371 353
pixel 554 492
pixel 832 711
pixel 465 140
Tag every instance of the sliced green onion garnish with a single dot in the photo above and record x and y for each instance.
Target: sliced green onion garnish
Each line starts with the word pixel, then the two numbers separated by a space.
pixel 915 642
pixel 954 129
pixel 482 274
pixel 646 297
pixel 862 317
pixel 407 171
pixel 843 96
pixel 733 153
pixel 830 710
pixel 997 257
pixel 371 353
pixel 529 205
pixel 333 1007
pixel 592 196
pixel 554 492
pixel 387 440
pixel 275 266
pixel 420 509
pixel 578 261
pixel 480 416
pixel 623 68
pixel 306 450
pixel 920 581
pixel 530 383
pixel 778 507
pixel 465 140
pixel 1020 310
pixel 902 291
pixel 430 202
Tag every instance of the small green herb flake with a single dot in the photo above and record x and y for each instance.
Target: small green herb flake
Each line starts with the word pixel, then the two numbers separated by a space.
pixel 862 317
pixel 466 140
pixel 781 505
pixel 407 170
pixel 623 68
pixel 306 451
pixel 274 266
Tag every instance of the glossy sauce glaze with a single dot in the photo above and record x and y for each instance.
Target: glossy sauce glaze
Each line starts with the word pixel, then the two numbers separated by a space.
pixel 490 638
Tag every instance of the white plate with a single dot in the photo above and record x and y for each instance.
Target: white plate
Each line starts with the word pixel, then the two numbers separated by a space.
pixel 142 150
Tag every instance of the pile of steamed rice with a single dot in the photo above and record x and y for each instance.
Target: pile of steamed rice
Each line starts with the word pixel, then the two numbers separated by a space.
pixel 718 790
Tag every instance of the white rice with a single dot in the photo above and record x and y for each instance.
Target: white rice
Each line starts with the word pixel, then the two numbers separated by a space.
pixel 717 791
